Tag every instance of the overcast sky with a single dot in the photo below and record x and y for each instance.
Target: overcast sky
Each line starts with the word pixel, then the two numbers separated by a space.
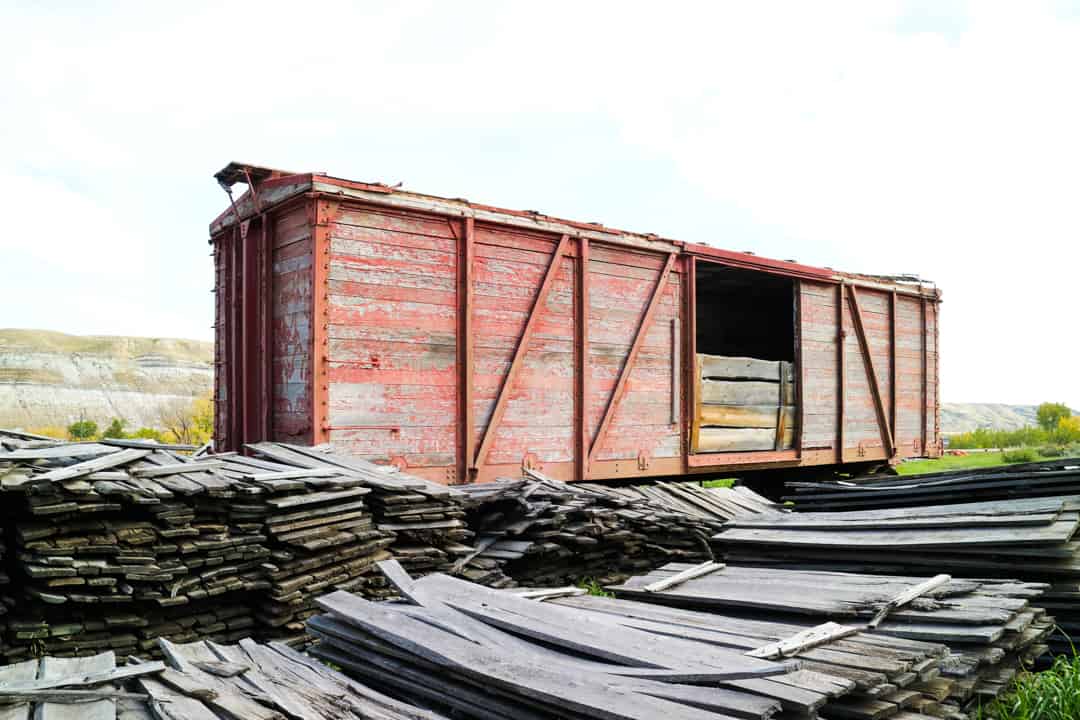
pixel 938 138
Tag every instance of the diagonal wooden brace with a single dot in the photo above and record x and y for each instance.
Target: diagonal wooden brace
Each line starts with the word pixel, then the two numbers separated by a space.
pixel 639 340
pixel 871 374
pixel 519 352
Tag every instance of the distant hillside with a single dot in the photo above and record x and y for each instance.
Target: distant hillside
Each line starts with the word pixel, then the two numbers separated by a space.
pixel 49 378
pixel 965 417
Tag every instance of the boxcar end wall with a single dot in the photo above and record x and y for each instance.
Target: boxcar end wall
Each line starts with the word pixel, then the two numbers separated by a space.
pixel 464 342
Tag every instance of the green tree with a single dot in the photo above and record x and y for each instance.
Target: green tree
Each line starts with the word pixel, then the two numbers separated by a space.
pixel 83 430
pixel 115 429
pixel 1049 414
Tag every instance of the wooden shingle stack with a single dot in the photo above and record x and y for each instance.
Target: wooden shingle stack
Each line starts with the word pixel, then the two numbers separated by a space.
pixel 539 531
pixel 991 627
pixel 1019 531
pixel 424 519
pixel 104 537
pixel 478 652
pixel 115 543
pixel 196 681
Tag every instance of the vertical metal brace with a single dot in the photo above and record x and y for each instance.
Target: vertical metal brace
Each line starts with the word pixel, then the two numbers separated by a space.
pixel 924 377
pixel 841 370
pixel 582 369
pixel 466 433
pixel 892 368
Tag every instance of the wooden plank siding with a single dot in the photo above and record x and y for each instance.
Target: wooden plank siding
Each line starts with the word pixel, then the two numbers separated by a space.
pixel 819 334
pixel 359 304
pixel 291 318
pixel 391 337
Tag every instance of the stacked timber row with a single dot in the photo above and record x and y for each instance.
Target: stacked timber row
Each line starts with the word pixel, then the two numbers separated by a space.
pixel 991 628
pixel 540 531
pixel 690 498
pixel 482 653
pixel 112 547
pixel 1027 538
pixel 743 404
pixel 197 681
pixel 1031 493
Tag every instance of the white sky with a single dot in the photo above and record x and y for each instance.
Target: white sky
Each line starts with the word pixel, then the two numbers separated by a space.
pixel 940 138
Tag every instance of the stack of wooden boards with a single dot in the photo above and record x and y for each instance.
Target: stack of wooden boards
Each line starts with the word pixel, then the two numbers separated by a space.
pixel 1027 495
pixel 743 404
pixel 1048 478
pixel 540 531
pixel 330 518
pixel 114 544
pixel 198 681
pixel 990 627
pixel 691 498
pixel 484 653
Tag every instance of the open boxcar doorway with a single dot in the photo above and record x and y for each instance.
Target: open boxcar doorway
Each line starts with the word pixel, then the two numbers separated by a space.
pixel 745 360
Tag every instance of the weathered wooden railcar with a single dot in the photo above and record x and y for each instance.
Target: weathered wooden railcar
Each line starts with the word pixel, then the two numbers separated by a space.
pixel 463 341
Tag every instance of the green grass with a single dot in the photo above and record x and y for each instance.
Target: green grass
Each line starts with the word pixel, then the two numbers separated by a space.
pixel 1050 695
pixel 951 462
pixel 719 482
pixel 591 586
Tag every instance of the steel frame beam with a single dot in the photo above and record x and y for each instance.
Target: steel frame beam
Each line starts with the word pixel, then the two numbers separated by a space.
pixel 690 414
pixel 466 436
pixel 892 367
pixel 520 351
pixel 323 211
pixel 639 340
pixel 581 360
pixel 841 370
pixel 871 375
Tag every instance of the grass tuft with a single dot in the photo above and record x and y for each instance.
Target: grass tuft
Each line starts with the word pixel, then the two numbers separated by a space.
pixel 1053 694
pixel 593 587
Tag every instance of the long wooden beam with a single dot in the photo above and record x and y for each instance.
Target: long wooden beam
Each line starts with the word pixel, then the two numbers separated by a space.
pixel 871 374
pixel 519 352
pixel 639 340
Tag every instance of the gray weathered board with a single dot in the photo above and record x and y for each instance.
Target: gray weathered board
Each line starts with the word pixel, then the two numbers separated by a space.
pixel 743 405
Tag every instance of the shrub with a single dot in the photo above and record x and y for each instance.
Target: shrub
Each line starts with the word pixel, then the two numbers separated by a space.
pixel 115 429
pixel 1020 456
pixel 1052 451
pixel 83 430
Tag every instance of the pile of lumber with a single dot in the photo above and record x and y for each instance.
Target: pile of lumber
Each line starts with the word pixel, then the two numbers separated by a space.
pixel 991 628
pixel 691 498
pixel 1032 548
pixel 197 681
pixel 478 652
pixel 1048 478
pixel 544 532
pixel 113 544
pixel 105 540
pixel 743 404
pixel 423 519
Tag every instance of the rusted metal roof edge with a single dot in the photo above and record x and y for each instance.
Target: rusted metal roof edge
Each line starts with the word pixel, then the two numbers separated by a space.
pixel 271 192
pixel 277 190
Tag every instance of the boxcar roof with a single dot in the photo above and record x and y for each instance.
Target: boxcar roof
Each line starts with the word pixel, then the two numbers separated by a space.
pixel 268 188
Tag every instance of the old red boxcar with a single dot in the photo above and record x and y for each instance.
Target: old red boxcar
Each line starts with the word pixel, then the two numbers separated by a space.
pixel 463 342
